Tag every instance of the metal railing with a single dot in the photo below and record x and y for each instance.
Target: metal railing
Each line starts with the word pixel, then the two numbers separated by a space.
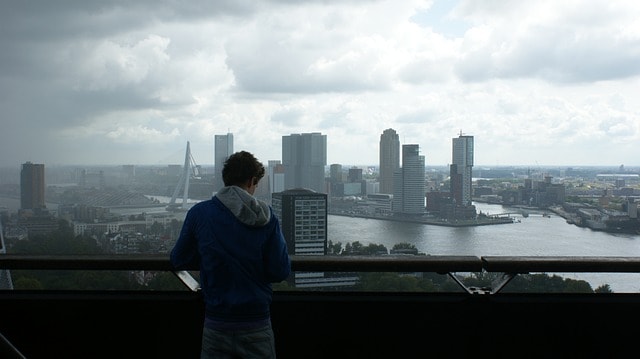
pixel 508 266
pixel 445 325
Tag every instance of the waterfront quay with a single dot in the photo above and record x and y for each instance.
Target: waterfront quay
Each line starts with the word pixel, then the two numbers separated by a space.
pixel 432 220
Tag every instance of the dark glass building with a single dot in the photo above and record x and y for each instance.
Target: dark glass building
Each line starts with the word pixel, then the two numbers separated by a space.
pixel 32 186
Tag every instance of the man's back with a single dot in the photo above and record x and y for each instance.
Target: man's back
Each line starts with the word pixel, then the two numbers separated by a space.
pixel 238 261
pixel 236 242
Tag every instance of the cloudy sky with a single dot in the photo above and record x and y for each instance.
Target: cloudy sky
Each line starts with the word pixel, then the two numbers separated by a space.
pixel 541 82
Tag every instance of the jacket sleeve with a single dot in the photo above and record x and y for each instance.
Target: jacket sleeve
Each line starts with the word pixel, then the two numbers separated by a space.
pixel 184 255
pixel 276 256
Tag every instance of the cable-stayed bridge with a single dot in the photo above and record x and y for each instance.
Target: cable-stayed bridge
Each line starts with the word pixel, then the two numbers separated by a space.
pixel 189 171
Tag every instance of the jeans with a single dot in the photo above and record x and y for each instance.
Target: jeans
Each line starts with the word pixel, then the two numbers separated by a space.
pixel 251 343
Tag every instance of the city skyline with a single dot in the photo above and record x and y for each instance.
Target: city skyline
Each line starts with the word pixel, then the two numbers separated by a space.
pixel 537 83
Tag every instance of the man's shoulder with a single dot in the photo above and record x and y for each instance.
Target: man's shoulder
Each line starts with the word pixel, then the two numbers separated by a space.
pixel 206 204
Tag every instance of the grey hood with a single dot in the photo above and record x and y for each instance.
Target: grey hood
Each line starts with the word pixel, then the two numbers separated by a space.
pixel 244 206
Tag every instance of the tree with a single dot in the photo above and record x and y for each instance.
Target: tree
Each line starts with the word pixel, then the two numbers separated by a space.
pixel 543 283
pixel 373 249
pixel 605 288
pixel 404 248
pixel 358 249
pixel 60 241
pixel 394 282
pixel 334 248
pixel 404 245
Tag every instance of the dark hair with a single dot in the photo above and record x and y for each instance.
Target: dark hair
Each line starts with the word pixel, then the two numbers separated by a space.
pixel 240 167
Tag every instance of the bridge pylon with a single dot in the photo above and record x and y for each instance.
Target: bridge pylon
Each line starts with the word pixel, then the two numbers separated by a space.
pixel 189 170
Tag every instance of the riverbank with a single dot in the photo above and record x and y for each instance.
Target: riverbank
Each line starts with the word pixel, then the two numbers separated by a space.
pixel 628 226
pixel 569 217
pixel 481 221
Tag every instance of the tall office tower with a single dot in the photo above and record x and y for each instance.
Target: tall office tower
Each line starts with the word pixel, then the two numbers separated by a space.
pixel 335 173
pixel 336 181
pixel 355 174
pixel 304 157
pixel 32 186
pixel 303 219
pixel 389 159
pixel 409 187
pixel 275 175
pixel 223 147
pixel 462 164
pixel 355 185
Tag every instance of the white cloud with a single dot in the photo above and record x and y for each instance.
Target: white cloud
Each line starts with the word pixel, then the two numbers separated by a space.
pixel 141 135
pixel 546 81
pixel 110 65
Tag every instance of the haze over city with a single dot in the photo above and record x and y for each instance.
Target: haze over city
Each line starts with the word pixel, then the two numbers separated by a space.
pixel 544 82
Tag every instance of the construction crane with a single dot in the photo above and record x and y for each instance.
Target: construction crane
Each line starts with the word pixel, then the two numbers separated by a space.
pixel 189 170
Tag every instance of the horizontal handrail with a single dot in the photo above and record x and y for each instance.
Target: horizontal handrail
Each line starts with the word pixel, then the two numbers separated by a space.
pixel 402 263
pixel 388 263
pixel 85 262
pixel 561 264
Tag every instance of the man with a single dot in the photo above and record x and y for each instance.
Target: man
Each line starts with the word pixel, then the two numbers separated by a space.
pixel 236 242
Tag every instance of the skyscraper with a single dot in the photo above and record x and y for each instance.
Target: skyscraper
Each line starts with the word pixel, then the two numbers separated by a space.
pixel 223 148
pixel 303 219
pixel 32 186
pixel 409 187
pixel 389 159
pixel 461 170
pixel 304 157
pixel 335 172
pixel 275 176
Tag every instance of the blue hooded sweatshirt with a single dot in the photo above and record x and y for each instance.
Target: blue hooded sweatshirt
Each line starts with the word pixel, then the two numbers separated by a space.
pixel 236 242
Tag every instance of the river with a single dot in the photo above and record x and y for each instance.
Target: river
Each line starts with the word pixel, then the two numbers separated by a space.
pixel 534 235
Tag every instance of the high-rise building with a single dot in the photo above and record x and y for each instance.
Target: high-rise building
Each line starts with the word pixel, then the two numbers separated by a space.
pixel 335 183
pixel 335 173
pixel 32 186
pixel 304 157
pixel 303 218
pixel 409 187
pixel 389 159
pixel 33 215
pixel 275 176
pixel 223 148
pixel 461 170
pixel 355 174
